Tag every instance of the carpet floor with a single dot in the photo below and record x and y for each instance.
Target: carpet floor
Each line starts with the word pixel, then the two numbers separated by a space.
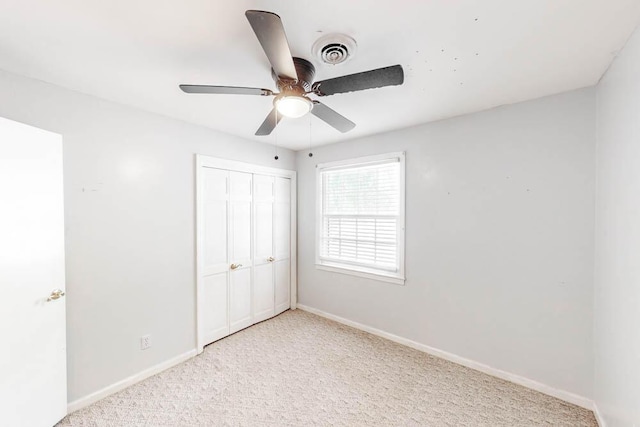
pixel 299 369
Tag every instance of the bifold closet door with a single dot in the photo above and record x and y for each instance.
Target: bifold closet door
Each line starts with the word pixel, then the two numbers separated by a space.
pixel 214 270
pixel 263 279
pixel 240 253
pixel 282 243
pixel 244 250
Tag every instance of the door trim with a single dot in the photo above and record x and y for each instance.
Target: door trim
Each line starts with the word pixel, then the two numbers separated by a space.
pixel 203 161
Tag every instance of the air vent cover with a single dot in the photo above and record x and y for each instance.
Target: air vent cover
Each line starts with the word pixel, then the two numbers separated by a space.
pixel 334 49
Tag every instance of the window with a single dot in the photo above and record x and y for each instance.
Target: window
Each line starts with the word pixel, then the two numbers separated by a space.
pixel 360 222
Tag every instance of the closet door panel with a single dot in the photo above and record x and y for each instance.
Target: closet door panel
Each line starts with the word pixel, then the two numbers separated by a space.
pixel 263 293
pixel 263 218
pixel 214 257
pixel 240 255
pixel 216 199
pixel 282 243
pixel 282 286
pixel 215 235
pixel 215 316
pixel 240 301
pixel 263 280
pixel 240 216
pixel 264 230
pixel 282 218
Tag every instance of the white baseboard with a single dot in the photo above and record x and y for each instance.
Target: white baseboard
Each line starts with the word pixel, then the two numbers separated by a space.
pixel 526 382
pixel 121 385
pixel 598 416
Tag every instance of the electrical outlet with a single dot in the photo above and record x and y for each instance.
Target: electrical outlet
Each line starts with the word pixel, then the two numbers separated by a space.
pixel 145 342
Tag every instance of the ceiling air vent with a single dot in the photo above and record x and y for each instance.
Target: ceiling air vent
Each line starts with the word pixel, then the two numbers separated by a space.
pixel 334 49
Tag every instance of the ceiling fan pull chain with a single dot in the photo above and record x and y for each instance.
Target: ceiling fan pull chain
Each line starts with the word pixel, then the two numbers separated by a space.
pixel 310 153
pixel 276 133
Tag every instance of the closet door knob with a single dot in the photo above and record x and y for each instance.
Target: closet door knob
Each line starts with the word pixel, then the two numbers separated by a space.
pixel 271 259
pixel 234 266
pixel 55 294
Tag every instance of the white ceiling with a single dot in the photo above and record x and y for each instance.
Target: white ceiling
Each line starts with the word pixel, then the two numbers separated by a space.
pixel 459 56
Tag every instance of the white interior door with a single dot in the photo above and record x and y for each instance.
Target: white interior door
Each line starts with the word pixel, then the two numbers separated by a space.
pixel 214 259
pixel 33 377
pixel 282 243
pixel 240 195
pixel 263 274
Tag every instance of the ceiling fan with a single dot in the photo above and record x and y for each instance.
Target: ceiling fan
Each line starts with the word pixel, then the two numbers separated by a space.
pixel 294 79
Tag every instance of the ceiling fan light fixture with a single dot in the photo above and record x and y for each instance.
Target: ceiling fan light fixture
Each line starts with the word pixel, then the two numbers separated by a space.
pixel 293 106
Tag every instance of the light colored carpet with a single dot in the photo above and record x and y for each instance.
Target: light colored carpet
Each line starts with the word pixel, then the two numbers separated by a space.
pixel 300 369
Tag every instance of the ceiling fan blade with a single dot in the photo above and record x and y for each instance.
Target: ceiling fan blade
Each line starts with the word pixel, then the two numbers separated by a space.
pixel 270 32
pixel 269 123
pixel 332 118
pixel 225 90
pixel 387 76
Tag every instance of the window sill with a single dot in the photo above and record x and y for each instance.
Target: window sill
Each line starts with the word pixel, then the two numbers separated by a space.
pixel 374 276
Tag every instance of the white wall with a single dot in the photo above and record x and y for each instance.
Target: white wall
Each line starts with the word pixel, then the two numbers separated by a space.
pixel 129 214
pixel 499 234
pixel 617 280
pixel 499 239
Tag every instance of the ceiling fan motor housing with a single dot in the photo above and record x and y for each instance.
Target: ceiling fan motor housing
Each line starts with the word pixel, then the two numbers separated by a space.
pixel 306 73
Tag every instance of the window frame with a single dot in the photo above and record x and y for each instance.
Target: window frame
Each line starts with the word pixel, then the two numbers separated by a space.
pixel 397 277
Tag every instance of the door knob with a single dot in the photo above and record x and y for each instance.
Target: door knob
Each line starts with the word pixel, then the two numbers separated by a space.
pixel 271 259
pixel 55 294
pixel 234 266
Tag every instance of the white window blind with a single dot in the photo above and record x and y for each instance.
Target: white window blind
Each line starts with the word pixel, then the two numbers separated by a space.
pixel 360 215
